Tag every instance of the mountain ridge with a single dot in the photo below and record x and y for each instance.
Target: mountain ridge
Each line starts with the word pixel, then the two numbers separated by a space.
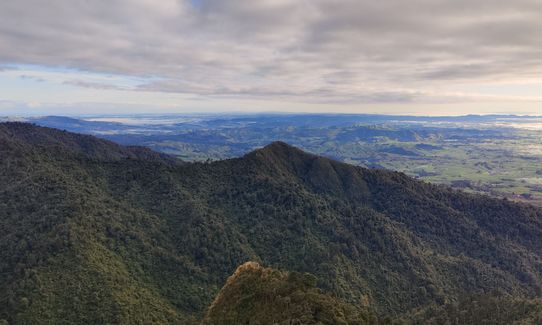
pixel 158 238
pixel 53 139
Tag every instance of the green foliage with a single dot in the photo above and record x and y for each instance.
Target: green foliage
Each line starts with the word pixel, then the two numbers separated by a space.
pixel 92 233
pixel 481 309
pixel 256 295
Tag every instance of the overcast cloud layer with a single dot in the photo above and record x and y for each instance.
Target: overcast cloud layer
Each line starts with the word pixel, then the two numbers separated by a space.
pixel 361 51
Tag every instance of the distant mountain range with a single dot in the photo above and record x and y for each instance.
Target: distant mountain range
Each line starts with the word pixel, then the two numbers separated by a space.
pixel 92 232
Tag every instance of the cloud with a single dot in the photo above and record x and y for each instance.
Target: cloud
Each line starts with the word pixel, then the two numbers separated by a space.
pixel 327 51
pixel 93 85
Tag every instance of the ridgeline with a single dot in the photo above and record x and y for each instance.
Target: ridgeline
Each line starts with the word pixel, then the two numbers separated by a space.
pixel 92 232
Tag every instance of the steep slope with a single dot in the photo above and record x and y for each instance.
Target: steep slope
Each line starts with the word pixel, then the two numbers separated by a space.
pixel 481 309
pixel 257 295
pixel 380 233
pixel 93 232
pixel 69 254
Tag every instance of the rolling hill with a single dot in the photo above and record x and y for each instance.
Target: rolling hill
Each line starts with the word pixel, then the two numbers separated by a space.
pixel 93 232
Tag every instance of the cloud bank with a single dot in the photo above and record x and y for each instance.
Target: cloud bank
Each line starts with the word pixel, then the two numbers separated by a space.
pixel 317 51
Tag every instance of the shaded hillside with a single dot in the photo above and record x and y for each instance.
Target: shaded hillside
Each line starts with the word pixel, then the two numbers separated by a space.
pixel 257 295
pixel 92 232
pixel 481 309
pixel 16 135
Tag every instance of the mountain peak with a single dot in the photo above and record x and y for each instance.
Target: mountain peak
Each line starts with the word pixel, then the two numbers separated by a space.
pixel 278 152
pixel 282 158
pixel 280 148
pixel 79 224
pixel 320 173
pixel 278 145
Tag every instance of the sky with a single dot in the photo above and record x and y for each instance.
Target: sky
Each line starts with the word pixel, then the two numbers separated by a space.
pixel 421 57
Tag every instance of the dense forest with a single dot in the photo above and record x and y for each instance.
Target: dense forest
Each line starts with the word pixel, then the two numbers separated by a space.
pixel 257 295
pixel 92 232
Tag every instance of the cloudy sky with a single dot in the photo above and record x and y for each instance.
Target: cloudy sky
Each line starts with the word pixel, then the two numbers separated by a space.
pixel 428 57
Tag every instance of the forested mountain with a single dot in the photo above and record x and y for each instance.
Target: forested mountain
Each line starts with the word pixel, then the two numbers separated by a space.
pixel 257 295
pixel 92 232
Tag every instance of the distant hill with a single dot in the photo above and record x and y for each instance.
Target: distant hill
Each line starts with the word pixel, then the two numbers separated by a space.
pixel 93 232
